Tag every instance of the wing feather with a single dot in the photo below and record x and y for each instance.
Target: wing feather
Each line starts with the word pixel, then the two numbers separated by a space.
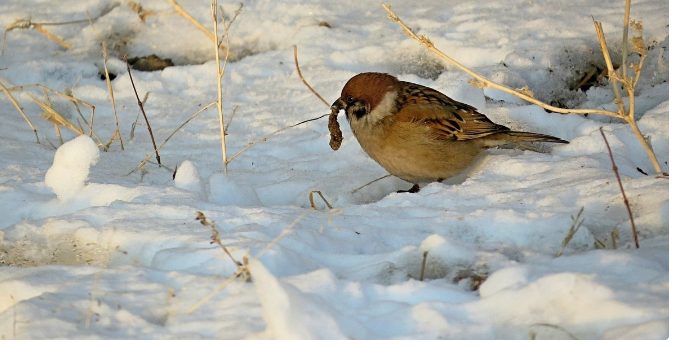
pixel 447 119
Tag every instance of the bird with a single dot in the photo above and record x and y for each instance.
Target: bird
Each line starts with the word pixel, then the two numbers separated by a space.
pixel 417 133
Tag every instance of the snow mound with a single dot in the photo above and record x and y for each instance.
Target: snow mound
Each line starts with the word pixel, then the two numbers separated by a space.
pixel 71 165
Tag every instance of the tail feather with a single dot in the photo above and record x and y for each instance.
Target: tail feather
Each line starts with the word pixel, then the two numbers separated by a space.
pixel 517 136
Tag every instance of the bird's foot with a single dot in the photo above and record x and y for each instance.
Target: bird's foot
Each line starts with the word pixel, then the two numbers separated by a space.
pixel 414 189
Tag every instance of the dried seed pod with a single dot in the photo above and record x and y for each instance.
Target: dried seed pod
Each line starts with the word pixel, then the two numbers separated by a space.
pixel 335 132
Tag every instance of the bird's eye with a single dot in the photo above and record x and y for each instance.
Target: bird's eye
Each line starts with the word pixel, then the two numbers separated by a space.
pixel 350 99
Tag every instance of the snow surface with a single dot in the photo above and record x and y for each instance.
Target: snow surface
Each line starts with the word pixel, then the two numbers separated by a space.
pixel 88 251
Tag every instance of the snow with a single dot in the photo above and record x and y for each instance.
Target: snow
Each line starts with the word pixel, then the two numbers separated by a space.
pixel 70 170
pixel 91 251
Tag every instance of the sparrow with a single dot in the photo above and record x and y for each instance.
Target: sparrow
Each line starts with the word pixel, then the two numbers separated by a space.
pixel 419 134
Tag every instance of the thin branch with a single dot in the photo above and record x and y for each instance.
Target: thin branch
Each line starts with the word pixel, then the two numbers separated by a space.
pixel 219 74
pixel 140 104
pixel 577 222
pixel 299 72
pixel 620 184
pixel 485 82
pixel 271 134
pixel 612 76
pixel 187 16
pixel 39 27
pixel 147 158
pixel 626 25
pixel 378 179
pixel 16 104
pixel 215 238
pixel 107 80
pixel 333 125
pixel 311 199
pixel 423 266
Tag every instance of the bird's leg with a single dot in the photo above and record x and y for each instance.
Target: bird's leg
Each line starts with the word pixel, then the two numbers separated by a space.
pixel 414 189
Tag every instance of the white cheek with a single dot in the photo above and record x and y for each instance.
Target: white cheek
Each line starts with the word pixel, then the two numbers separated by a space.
pixel 385 107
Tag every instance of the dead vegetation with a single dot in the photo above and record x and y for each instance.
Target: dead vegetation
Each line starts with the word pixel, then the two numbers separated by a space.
pixel 627 82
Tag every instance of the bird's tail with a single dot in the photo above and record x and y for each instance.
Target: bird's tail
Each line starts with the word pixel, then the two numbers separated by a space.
pixel 517 136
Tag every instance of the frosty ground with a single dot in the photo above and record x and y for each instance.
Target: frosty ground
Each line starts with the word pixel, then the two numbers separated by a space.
pixel 90 251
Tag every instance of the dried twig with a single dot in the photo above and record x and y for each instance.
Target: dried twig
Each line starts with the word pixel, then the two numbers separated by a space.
pixel 627 83
pixel 483 81
pixel 271 134
pixel 378 179
pixel 577 222
pixel 220 73
pixel 140 104
pixel 50 114
pixel 333 126
pixel 626 25
pixel 109 84
pixel 147 158
pixel 244 267
pixel 614 236
pixel 39 27
pixel 423 266
pixel 620 184
pixel 215 238
pixel 311 199
pixel 299 72
pixel 66 96
pixel 72 99
pixel 532 334
pixel 187 16
pixel 16 105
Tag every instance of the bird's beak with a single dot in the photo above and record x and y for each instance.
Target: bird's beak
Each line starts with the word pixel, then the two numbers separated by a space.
pixel 337 105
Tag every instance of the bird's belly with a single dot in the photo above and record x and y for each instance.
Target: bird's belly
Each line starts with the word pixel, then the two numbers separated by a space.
pixel 428 161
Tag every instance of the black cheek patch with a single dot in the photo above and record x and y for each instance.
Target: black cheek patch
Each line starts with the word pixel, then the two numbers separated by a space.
pixel 357 110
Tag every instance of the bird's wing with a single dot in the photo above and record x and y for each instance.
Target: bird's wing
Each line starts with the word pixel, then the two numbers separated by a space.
pixel 447 119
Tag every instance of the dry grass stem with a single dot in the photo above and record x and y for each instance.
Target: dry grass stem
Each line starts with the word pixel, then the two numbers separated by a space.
pixel 626 23
pixel 250 145
pixel 614 236
pixel 215 238
pixel 140 104
pixel 50 114
pixel 487 83
pixel 243 270
pixel 16 105
pixel 67 95
pixel 299 72
pixel 219 74
pixel 622 190
pixel 423 266
pixel 231 117
pixel 109 84
pixel 191 19
pixel 362 186
pixel 283 233
pixel 333 125
pixel 143 13
pixel 532 334
pixel 147 158
pixel 39 27
pixel 577 222
pixel 311 199
pixel 609 66
pixel 627 83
